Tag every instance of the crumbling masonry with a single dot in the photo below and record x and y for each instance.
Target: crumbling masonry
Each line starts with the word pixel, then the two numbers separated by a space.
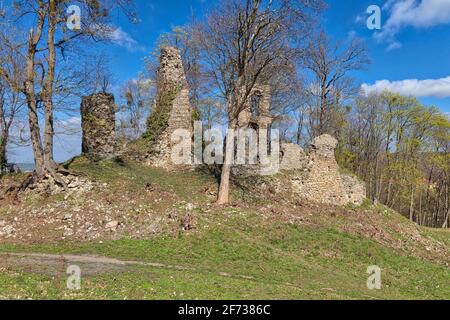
pixel 315 176
pixel 319 178
pixel 171 110
pixel 98 123
pixel 256 115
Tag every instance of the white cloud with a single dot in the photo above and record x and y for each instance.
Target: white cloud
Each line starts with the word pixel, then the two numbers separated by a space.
pixel 144 83
pixel 438 88
pixel 117 36
pixel 412 13
pixel 123 39
pixel 71 125
pixel 394 45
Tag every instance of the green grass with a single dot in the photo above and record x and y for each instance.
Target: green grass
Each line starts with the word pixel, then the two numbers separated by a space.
pixel 186 185
pixel 263 258
pixel 284 261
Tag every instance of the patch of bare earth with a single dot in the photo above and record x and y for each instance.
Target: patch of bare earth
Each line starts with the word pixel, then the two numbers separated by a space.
pixel 54 265
pixel 100 214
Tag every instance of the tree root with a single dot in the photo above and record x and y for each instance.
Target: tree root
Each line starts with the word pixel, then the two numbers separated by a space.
pixel 34 179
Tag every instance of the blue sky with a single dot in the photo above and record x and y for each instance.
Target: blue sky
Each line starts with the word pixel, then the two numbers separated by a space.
pixel 422 48
pixel 410 54
pixel 157 17
pixel 420 29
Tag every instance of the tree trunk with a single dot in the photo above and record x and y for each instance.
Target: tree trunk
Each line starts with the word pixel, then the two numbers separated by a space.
pixel 411 205
pixel 419 219
pixel 389 192
pixel 3 160
pixel 48 135
pixel 48 90
pixel 224 188
pixel 33 119
pixel 447 220
pixel 322 108
pixel 299 127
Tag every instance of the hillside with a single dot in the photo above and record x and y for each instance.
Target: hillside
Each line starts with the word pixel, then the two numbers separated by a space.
pixel 142 233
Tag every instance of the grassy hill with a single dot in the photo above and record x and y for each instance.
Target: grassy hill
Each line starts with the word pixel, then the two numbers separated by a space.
pixel 264 245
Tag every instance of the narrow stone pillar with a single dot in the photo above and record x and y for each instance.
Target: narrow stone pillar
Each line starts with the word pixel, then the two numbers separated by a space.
pixel 98 122
pixel 171 110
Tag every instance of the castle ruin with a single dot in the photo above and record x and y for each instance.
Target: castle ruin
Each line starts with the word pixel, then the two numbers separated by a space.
pixel 319 179
pixel 98 123
pixel 256 113
pixel 314 176
pixel 171 109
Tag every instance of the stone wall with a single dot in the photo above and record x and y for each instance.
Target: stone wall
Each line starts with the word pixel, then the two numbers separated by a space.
pixel 173 90
pixel 355 189
pixel 322 182
pixel 320 179
pixel 314 176
pixel 98 123
pixel 260 123
pixel 292 157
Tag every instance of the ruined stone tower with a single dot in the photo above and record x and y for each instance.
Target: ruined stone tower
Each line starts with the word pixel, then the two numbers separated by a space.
pixel 171 110
pixel 98 123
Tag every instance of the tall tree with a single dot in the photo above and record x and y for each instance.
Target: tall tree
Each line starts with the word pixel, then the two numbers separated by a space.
pixel 137 96
pixel 11 104
pixel 246 42
pixel 330 64
pixel 48 32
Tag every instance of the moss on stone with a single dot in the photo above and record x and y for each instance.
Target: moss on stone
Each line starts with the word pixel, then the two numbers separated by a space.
pixel 98 124
pixel 158 121
pixel 196 115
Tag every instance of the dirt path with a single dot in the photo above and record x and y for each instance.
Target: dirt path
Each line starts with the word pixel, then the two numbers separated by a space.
pixel 54 265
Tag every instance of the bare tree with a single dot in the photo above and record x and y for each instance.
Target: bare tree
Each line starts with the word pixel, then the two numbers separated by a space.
pixel 47 35
pixel 4 130
pixel 11 100
pixel 243 43
pixel 99 74
pixel 11 104
pixel 137 96
pixel 330 64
